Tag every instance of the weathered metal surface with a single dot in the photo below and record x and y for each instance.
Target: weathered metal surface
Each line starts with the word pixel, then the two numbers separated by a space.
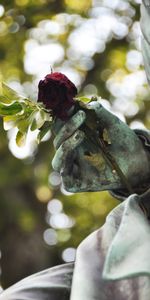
pixel 83 162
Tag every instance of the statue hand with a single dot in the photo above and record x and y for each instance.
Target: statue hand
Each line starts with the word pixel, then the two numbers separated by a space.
pixel 110 156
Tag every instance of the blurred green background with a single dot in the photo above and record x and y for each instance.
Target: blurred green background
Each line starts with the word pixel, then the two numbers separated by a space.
pixel 97 45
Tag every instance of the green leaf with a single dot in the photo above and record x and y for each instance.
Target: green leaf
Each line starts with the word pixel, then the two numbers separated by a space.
pixel 22 124
pixel 7 95
pixel 84 99
pixel 20 139
pixel 4 99
pixel 10 121
pixel 23 114
pixel 12 109
pixel 38 120
pixel 34 125
pixel 43 131
pixel 40 117
pixel 8 125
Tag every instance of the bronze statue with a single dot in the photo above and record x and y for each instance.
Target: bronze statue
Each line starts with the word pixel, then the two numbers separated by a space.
pixel 114 261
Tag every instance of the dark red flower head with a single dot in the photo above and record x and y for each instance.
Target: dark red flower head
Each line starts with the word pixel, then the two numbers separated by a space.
pixel 56 91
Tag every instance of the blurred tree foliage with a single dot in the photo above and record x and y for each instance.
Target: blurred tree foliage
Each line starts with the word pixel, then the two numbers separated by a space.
pixel 38 219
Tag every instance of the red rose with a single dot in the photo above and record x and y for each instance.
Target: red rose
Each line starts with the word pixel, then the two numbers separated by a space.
pixel 56 91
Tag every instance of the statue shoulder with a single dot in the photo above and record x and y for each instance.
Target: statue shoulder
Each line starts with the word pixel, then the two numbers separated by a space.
pixel 53 283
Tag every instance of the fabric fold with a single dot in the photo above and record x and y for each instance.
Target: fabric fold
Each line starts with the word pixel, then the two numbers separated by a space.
pixel 114 261
pixel 129 252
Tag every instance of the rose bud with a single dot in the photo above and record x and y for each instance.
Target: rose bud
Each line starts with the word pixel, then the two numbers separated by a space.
pixel 56 92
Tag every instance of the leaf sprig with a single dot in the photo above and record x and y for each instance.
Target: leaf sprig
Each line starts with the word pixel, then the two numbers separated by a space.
pixel 22 113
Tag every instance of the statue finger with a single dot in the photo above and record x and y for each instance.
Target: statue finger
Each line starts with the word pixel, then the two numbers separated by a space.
pixel 69 128
pixel 69 145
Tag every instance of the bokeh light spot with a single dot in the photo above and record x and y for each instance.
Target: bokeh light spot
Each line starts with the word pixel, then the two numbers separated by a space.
pixel 40 57
pixel 55 206
pixel 78 5
pixel 61 220
pixel 50 237
pixel 90 89
pixel 54 179
pixel 68 254
pixel 22 2
pixel 2 10
pixel 43 193
pixel 14 27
